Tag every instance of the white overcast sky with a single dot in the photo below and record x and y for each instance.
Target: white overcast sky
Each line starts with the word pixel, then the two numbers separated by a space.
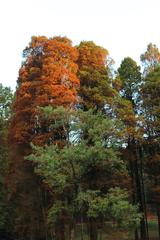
pixel 124 27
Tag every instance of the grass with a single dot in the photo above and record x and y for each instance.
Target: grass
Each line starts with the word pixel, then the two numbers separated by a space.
pixel 153 229
pixel 111 233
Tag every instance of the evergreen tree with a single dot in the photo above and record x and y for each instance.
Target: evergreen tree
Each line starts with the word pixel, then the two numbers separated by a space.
pixel 6 97
pixel 131 81
pixel 151 112
pixel 96 90
pixel 130 76
pixel 68 171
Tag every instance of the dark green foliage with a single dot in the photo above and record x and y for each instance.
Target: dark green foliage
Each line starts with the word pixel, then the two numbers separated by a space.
pixel 90 151
pixel 6 98
pixel 151 103
pixel 95 76
pixel 151 112
pixel 130 76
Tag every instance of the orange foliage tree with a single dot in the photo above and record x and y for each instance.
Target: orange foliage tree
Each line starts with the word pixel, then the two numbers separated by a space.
pixel 47 77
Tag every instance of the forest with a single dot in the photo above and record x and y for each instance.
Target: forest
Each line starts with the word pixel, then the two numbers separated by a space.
pixel 80 145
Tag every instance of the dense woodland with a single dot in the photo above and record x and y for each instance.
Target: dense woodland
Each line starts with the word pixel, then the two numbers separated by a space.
pixel 80 143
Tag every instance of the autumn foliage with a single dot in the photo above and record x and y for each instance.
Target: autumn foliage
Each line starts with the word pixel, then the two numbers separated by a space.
pixel 47 77
pixel 80 133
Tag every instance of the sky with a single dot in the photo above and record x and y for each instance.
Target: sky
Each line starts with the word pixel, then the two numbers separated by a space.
pixel 123 27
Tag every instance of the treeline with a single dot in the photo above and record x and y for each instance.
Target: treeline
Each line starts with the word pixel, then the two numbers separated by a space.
pixel 79 142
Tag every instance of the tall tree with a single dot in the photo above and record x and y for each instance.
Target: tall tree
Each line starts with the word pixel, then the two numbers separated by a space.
pixel 95 90
pixel 151 111
pixel 47 77
pixel 6 97
pixel 130 76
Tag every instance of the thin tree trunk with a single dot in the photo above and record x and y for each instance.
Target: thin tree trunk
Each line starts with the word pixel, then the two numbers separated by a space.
pixel 139 200
pixel 136 235
pixel 93 230
pixel 140 192
pixel 158 218
pixel 60 231
pixel 143 197
pixel 72 232
pixel 82 227
pixel 134 198
pixel 136 168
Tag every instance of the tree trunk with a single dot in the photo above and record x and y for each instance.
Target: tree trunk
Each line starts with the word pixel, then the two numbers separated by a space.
pixel 134 195
pixel 143 197
pixel 139 200
pixel 158 218
pixel 82 227
pixel 136 167
pixel 72 233
pixel 60 231
pixel 93 230
pixel 136 235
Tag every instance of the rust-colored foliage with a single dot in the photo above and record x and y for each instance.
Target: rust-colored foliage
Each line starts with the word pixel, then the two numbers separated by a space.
pixel 47 77
pixel 91 55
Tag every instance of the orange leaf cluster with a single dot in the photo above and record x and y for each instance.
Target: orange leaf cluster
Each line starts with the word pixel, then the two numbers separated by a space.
pixel 47 77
